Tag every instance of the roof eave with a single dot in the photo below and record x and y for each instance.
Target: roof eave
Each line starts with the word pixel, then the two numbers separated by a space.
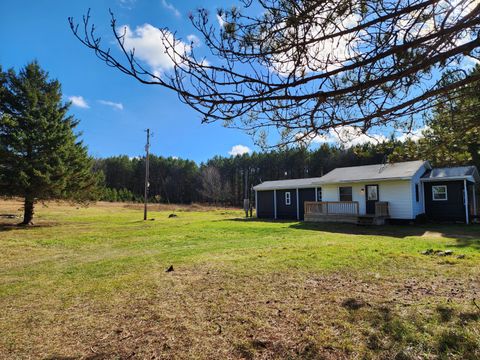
pixel 364 180
pixel 450 178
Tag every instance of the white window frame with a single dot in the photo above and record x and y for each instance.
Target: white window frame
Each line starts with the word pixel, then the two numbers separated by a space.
pixel 288 198
pixel 439 186
pixel 319 192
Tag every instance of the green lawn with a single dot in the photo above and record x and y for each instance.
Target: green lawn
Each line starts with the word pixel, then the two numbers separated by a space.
pixel 91 283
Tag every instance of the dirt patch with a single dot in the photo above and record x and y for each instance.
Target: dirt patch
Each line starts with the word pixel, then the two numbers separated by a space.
pixel 207 313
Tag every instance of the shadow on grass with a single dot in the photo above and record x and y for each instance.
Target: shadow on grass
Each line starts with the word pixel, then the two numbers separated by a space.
pixel 17 226
pixel 466 235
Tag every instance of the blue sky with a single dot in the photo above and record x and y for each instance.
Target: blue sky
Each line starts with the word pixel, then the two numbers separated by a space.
pixel 115 109
pixel 38 29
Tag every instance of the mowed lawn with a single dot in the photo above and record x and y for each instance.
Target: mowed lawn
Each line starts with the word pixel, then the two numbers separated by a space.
pixel 91 283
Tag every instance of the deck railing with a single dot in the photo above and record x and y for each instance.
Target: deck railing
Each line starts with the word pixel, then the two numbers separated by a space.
pixel 381 208
pixel 331 207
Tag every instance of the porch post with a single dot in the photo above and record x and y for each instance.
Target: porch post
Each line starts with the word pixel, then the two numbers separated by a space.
pixel 422 189
pixel 298 208
pixel 275 204
pixel 316 194
pixel 467 220
pixel 256 204
pixel 474 200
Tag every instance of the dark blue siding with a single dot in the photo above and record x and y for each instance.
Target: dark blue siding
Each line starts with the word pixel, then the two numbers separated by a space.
pixel 285 211
pixel 451 209
pixel 265 208
pixel 305 195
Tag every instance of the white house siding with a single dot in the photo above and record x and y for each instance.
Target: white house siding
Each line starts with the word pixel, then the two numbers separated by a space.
pixel 398 193
pixel 418 206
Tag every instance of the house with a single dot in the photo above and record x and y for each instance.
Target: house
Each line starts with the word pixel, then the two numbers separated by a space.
pixel 373 193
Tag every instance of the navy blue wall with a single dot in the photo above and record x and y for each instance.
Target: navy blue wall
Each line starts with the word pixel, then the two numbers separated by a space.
pixel 265 204
pixel 285 211
pixel 451 209
pixel 305 195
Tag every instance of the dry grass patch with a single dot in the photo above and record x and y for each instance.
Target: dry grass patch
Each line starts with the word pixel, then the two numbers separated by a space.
pixel 94 287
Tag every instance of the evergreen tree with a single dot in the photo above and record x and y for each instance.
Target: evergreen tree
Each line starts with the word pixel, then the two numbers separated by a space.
pixel 452 136
pixel 41 157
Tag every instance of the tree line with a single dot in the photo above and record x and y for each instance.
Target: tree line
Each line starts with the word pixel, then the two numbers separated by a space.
pixel 42 158
pixel 226 180
pixel 451 137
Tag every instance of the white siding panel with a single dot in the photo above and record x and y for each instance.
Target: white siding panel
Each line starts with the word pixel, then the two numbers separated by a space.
pixel 418 207
pixel 398 193
pixel 399 197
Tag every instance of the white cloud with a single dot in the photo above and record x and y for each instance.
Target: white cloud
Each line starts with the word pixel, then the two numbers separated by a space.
pixel 194 40
pixel 239 150
pixel 347 136
pixel 127 4
pixel 171 8
pixel 319 56
pixel 220 20
pixel 414 135
pixel 148 43
pixel 115 105
pixel 79 101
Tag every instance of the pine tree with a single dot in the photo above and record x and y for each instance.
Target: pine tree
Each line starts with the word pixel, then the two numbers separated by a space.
pixel 41 157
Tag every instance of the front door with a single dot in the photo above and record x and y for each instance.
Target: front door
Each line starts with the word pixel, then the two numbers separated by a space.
pixel 371 194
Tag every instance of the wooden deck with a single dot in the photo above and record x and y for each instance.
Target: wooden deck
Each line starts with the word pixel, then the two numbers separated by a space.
pixel 345 212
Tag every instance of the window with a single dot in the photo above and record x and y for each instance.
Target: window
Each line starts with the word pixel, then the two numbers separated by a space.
pixel 319 194
pixel 345 193
pixel 439 192
pixel 372 192
pixel 288 199
pixel 417 193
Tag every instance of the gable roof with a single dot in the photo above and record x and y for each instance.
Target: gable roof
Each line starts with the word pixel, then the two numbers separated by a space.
pixel 452 173
pixel 400 171
pixel 287 184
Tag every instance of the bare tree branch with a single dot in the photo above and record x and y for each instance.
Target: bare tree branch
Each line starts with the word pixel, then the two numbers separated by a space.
pixel 304 67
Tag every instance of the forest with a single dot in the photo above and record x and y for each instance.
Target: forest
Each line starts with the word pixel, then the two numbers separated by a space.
pixel 450 137
pixel 224 180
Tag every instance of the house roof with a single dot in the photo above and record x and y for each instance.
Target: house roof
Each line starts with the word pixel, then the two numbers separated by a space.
pixel 287 184
pixel 469 173
pixel 401 170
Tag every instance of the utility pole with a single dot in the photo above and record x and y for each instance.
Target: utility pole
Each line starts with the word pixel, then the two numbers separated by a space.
pixel 246 201
pixel 147 168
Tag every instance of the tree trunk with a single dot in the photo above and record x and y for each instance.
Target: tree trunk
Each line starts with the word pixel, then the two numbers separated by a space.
pixel 28 211
pixel 473 150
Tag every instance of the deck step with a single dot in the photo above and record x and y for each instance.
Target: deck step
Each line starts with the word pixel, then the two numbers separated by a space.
pixel 365 220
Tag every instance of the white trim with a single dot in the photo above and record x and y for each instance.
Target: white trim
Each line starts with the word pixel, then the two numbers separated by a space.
pixel 275 204
pixel 465 189
pixel 316 193
pixel 474 200
pixel 422 188
pixel 456 178
pixel 256 204
pixel 288 198
pixel 298 207
pixel 446 192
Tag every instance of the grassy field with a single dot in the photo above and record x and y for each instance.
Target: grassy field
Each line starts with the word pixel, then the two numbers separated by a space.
pixel 91 283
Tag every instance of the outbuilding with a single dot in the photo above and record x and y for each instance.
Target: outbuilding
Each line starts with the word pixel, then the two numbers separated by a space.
pixel 285 199
pixel 451 193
